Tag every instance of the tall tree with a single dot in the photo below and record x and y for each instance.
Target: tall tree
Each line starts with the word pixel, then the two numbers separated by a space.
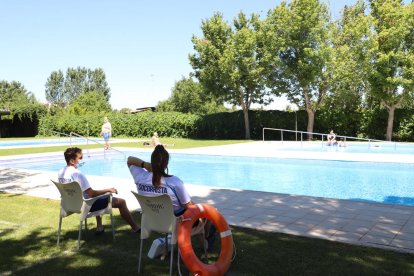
pixel 97 82
pixel 90 102
pixel 14 93
pixel 189 96
pixel 77 81
pixel 55 92
pixel 350 60
pixel 227 62
pixel 297 39
pixel 392 56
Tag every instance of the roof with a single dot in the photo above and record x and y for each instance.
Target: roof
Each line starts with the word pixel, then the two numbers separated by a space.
pixel 142 109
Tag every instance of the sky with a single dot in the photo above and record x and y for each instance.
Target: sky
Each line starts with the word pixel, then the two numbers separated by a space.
pixel 142 46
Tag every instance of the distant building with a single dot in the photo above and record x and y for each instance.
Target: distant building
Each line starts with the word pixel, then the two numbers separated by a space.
pixel 142 109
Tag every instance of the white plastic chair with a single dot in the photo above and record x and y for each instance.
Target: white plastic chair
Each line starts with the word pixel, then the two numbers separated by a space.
pixel 158 216
pixel 72 201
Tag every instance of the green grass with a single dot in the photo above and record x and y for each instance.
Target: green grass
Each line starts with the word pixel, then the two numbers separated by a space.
pixel 28 231
pixel 179 143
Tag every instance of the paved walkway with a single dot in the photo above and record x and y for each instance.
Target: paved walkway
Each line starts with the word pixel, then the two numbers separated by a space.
pixel 369 224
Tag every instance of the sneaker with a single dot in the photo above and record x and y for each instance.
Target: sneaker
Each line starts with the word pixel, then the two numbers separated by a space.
pixel 99 232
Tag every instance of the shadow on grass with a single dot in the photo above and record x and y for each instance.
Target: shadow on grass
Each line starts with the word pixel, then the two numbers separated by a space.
pixel 33 251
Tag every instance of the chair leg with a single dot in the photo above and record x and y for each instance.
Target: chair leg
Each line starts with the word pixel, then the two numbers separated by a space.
pixel 113 229
pixel 60 226
pixel 139 255
pixel 80 234
pixel 172 257
pixel 86 225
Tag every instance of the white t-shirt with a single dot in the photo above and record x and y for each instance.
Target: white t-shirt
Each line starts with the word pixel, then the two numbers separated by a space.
pixel 106 127
pixel 70 174
pixel 173 186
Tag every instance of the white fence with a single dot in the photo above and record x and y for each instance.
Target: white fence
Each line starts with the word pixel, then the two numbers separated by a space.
pixel 323 136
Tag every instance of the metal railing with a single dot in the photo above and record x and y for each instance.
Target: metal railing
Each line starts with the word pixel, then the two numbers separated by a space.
pixel 322 136
pixel 55 133
pixel 94 141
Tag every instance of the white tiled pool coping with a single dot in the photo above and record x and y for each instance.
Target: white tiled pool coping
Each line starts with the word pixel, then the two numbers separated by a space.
pixel 370 224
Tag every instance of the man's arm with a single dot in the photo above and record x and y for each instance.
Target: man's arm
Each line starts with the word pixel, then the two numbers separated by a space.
pixel 135 161
pixel 94 193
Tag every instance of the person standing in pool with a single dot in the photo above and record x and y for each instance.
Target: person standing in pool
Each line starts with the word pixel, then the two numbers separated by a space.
pixel 106 132
pixel 70 173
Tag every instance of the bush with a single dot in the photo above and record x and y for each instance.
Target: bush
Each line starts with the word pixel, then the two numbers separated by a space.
pixel 230 125
pixel 171 124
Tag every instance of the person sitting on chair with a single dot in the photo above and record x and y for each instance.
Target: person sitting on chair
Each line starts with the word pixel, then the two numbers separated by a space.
pixel 153 179
pixel 70 173
pixel 331 138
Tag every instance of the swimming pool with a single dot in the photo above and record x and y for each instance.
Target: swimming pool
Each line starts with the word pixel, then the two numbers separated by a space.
pixel 367 181
pixel 351 147
pixel 37 142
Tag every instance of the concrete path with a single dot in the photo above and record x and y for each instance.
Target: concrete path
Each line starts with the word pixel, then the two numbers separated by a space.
pixel 370 224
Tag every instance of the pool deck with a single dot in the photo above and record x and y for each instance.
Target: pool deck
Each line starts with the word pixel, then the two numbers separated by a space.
pixel 388 226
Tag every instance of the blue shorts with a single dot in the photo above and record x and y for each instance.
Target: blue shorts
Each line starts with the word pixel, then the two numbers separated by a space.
pixel 106 136
pixel 99 204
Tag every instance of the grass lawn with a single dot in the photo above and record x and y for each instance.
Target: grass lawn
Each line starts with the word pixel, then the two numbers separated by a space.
pixel 28 232
pixel 179 143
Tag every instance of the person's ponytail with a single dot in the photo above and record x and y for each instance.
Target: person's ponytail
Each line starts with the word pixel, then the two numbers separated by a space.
pixel 159 164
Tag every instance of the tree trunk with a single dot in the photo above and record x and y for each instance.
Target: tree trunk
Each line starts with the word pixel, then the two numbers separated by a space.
pixel 311 121
pixel 310 111
pixel 390 122
pixel 246 122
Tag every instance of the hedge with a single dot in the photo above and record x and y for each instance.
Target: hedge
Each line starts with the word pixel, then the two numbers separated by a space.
pixel 230 125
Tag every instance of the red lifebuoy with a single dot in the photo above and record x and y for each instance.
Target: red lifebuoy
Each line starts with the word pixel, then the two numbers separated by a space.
pixel 190 259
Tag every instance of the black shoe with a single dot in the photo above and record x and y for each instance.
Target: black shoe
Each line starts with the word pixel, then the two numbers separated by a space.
pixel 211 238
pixel 99 232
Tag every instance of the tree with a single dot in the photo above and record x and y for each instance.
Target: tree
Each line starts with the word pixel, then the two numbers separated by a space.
pixel 18 100
pixel 14 93
pixel 228 63
pixel 298 49
pixel 350 60
pixel 392 56
pixel 55 92
pixel 63 91
pixel 89 102
pixel 188 96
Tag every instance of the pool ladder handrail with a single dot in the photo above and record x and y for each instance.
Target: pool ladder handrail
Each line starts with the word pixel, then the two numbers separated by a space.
pixel 87 144
pixel 56 133
pixel 323 135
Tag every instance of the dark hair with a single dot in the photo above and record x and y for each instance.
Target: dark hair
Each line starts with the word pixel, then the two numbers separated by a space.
pixel 159 164
pixel 71 153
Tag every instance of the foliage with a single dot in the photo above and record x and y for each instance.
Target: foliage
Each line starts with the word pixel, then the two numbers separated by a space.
pixel 350 61
pixel 143 124
pixel 189 96
pixel 392 56
pixel 298 47
pixel 88 103
pixel 15 97
pixel 228 125
pixel 373 121
pixel 63 91
pixel 227 62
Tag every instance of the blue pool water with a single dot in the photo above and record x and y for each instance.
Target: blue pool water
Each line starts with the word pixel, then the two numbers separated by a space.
pixel 37 142
pixel 379 182
pixel 352 147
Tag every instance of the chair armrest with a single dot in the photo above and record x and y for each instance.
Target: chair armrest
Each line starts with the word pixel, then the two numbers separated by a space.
pixel 90 201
